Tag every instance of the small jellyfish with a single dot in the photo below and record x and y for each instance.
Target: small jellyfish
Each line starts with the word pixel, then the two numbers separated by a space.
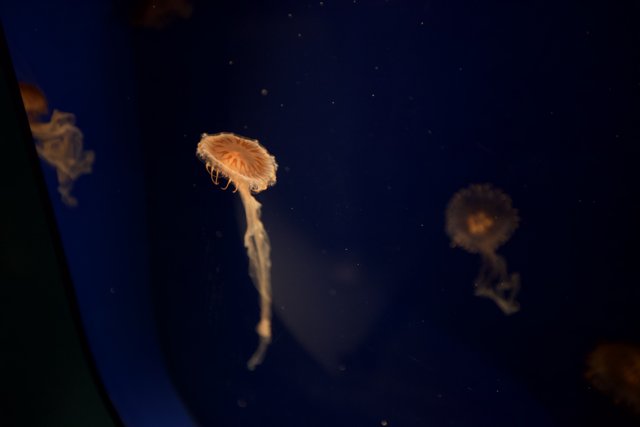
pixel 58 142
pixel 479 219
pixel 250 167
pixel 614 369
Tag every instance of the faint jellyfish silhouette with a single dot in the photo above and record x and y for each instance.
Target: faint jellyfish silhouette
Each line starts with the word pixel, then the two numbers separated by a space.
pixel 58 142
pixel 479 219
pixel 250 167
pixel 614 369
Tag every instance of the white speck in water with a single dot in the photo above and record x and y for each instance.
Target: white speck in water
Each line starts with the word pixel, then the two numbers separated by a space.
pixel 264 92
pixel 242 403
pixel 384 423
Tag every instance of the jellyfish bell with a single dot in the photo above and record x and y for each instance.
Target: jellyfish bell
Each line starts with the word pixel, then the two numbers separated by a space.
pixel 250 167
pixel 243 161
pixel 614 369
pixel 480 219
pixel 35 103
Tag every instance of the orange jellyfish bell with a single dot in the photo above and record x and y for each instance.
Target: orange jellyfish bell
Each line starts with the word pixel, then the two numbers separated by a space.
pixel 250 167
pixel 614 369
pixel 480 218
pixel 35 103
pixel 243 161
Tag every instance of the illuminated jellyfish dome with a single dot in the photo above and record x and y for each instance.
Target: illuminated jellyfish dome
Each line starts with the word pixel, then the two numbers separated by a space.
pixel 480 218
pixel 241 160
pixel 35 103
pixel 614 369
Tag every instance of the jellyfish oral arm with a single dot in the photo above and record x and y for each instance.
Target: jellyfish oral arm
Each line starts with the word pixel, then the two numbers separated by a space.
pixel 60 144
pixel 495 283
pixel 258 247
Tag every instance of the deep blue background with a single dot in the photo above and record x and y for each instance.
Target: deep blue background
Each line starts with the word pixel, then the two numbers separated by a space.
pixel 377 112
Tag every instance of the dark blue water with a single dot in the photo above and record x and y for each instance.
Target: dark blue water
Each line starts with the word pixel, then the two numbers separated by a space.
pixel 377 113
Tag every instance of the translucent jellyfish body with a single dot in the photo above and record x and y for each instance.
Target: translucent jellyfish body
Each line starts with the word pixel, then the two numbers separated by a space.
pixel 58 141
pixel 480 219
pixel 251 169
pixel 614 369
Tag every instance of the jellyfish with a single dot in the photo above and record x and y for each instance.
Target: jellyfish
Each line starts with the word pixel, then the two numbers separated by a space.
pixel 59 142
pixel 614 369
pixel 251 169
pixel 479 219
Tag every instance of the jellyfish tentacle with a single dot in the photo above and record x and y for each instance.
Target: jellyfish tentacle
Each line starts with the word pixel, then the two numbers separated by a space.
pixel 228 183
pixel 210 169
